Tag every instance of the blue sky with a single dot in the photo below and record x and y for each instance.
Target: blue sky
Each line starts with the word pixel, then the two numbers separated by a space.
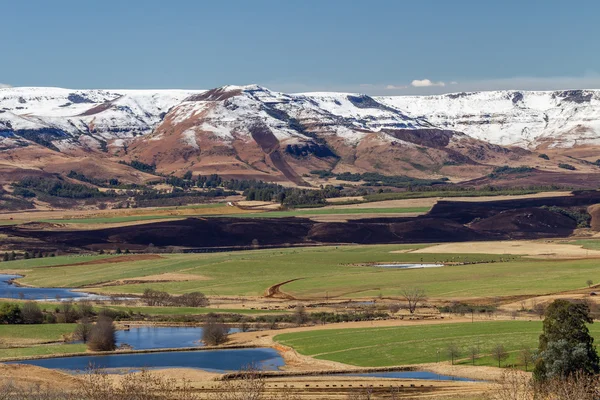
pixel 375 46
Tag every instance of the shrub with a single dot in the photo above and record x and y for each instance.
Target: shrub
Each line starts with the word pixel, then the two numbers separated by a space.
pixel 31 313
pixel 566 166
pixel 214 331
pixel 102 335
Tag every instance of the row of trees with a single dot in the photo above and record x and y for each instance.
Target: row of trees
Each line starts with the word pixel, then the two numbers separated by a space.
pixel 30 312
pixel 163 299
pixel 12 256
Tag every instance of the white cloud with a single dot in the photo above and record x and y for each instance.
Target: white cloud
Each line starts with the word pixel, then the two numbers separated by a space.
pixel 590 80
pixel 426 83
pixel 394 87
pixel 4 85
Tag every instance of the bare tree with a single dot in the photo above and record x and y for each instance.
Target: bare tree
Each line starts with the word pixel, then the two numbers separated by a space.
pixel 514 385
pixel 394 308
pixel 453 351
pixel 413 296
pixel 526 357
pixel 102 335
pixel 83 330
pixel 539 309
pixel 300 316
pixel 248 384
pixel 499 354
pixel 214 331
pixel 31 313
pixel 474 354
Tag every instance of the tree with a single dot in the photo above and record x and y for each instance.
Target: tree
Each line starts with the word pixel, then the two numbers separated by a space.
pixel 83 330
pixel 10 314
pixel 474 354
pixel 539 309
pixel 453 351
pixel 86 309
pixel 188 175
pixel 413 296
pixel 118 251
pixel 300 316
pixel 102 335
pixel 499 354
pixel 5 257
pixel 68 311
pixel 526 357
pixel 214 331
pixel 589 282
pixel 565 346
pixel 31 313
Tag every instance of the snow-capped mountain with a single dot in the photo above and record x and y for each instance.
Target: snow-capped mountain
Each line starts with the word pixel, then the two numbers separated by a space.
pixel 253 131
pixel 82 118
pixel 554 119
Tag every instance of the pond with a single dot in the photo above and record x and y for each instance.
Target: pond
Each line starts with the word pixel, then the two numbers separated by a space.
pixel 210 360
pixel 424 375
pixel 162 337
pixel 8 290
pixel 408 266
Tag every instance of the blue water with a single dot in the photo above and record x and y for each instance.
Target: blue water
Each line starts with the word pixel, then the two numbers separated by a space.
pixel 10 291
pixel 424 375
pixel 162 337
pixel 210 360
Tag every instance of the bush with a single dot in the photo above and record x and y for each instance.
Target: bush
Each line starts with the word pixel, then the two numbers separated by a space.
pixel 544 156
pixel 31 313
pixel 214 331
pixel 10 314
pixel 566 166
pixel 102 335
pixel 83 331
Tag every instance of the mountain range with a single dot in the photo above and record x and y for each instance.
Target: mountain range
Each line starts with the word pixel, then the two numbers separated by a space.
pixel 253 132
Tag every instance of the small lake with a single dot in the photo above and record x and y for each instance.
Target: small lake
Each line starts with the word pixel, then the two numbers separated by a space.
pixel 8 290
pixel 210 360
pixel 162 337
pixel 421 375
pixel 408 266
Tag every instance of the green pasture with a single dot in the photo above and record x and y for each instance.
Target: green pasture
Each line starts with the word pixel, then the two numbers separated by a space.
pixel 379 347
pixel 334 272
pixel 35 333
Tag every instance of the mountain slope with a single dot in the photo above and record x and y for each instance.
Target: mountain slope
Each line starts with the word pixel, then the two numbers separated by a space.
pixel 253 132
pixel 553 119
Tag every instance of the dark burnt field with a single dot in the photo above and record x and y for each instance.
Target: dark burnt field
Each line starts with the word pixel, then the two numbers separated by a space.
pixel 448 221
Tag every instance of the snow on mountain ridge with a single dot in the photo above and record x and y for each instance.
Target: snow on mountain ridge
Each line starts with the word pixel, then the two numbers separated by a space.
pixel 529 119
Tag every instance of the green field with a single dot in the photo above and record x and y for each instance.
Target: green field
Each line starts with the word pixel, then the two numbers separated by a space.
pixel 378 347
pixel 590 244
pixel 42 350
pixel 36 333
pixel 333 211
pixel 322 272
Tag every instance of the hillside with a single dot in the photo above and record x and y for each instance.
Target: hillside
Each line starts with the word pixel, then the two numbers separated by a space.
pixel 253 132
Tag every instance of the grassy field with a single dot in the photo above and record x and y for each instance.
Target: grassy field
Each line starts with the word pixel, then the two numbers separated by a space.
pixel 38 333
pixel 334 211
pixel 42 350
pixel 378 347
pixel 590 244
pixel 322 271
